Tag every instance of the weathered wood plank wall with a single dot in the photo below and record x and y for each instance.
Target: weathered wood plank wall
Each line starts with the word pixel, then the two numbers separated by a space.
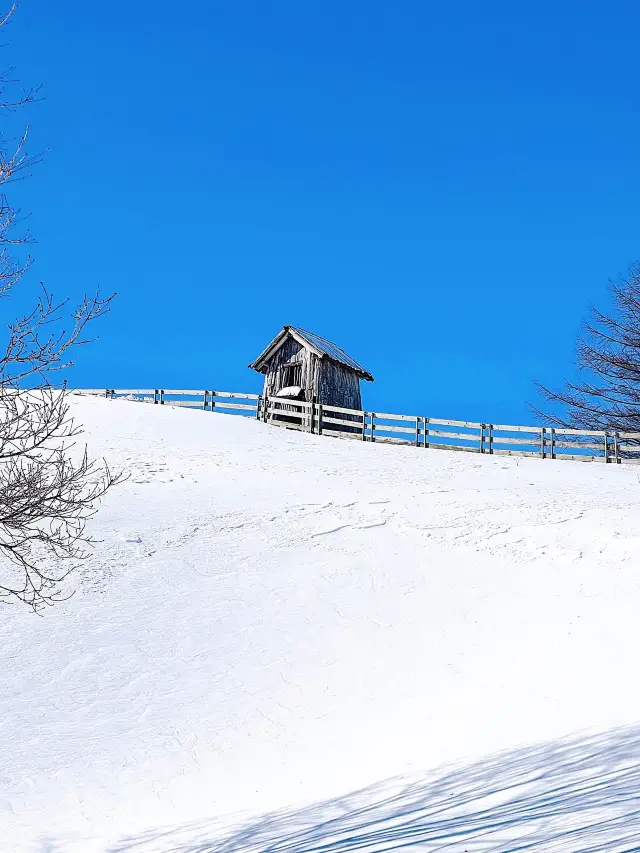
pixel 338 386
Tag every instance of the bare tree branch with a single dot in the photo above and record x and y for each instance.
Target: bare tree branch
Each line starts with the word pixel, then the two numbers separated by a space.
pixel 46 496
pixel 49 488
pixel 606 394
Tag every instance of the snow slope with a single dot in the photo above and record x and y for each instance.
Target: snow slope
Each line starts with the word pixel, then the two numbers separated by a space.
pixel 273 619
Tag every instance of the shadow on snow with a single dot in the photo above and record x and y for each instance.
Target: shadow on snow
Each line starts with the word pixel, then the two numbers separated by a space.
pixel 574 795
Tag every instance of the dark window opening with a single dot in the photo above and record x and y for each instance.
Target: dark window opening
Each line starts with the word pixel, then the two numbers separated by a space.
pixel 292 375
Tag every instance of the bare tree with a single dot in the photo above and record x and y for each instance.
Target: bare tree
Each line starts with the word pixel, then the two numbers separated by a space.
pixel 606 394
pixel 48 487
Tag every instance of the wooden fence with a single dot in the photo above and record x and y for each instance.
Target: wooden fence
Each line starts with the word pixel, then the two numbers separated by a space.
pixel 418 430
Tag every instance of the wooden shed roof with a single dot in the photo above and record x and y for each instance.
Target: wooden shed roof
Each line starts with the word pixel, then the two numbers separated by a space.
pixel 318 345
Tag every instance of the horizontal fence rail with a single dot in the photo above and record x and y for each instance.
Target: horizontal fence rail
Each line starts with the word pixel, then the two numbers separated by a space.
pixel 387 428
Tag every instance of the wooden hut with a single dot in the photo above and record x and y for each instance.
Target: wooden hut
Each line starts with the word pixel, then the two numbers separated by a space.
pixel 301 365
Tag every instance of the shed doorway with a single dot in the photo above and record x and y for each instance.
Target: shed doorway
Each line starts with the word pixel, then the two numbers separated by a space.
pixel 291 376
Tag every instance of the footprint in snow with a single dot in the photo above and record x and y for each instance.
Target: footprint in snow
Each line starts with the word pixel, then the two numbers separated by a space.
pixel 372 524
pixel 329 531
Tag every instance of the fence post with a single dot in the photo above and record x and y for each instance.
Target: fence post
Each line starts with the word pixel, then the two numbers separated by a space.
pixel 372 416
pixel 426 432
pixel 265 408
pixel 364 426
pixel 606 448
pixel 616 446
pixel 490 437
pixel 161 397
pixel 258 404
pixel 542 432
pixel 481 438
pixel 313 413
pixel 417 432
pixel 212 394
pixel 155 396
pixel 319 418
pixel 552 434
pixel 205 402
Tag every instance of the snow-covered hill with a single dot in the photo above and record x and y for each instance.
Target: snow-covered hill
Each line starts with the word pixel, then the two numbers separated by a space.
pixel 274 619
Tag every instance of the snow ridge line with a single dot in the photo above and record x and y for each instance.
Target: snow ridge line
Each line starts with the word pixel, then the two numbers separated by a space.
pixel 544 442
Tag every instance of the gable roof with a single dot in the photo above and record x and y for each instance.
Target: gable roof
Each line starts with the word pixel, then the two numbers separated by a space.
pixel 318 345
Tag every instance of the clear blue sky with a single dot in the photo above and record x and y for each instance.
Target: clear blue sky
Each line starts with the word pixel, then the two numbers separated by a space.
pixel 441 188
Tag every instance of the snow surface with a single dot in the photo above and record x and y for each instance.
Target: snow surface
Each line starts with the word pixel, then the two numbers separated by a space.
pixel 273 619
pixel 290 391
